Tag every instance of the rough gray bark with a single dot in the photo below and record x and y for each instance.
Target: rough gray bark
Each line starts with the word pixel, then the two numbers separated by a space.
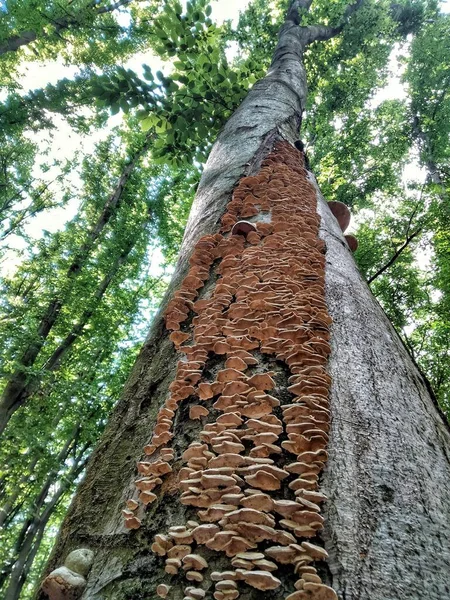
pixel 388 476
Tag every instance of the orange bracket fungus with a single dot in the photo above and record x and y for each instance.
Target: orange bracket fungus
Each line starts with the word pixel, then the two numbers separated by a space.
pixel 352 242
pixel 256 496
pixel 341 212
pixel 243 228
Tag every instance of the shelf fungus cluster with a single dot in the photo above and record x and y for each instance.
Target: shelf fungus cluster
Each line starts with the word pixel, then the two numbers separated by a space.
pixel 251 479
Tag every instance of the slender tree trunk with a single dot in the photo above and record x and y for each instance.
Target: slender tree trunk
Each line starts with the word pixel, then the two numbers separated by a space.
pixel 9 501
pixel 32 518
pixel 425 147
pixel 387 477
pixel 35 532
pixel 54 360
pixel 15 392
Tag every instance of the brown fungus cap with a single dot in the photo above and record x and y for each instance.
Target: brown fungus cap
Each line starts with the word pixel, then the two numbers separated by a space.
pixel 249 515
pixel 226 584
pixel 147 497
pixel 198 411
pixel 341 212
pixel 352 242
pixel 132 523
pixel 265 565
pixel 195 593
pixel 194 576
pixel 263 481
pixel 284 555
pixel 316 552
pixel 237 544
pixel 162 590
pixel 258 501
pixel 203 533
pixel 194 562
pixel 172 566
pixel 178 551
pixel 261 580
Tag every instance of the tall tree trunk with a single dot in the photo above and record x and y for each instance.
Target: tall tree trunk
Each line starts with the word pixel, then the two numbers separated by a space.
pixel 387 477
pixel 15 392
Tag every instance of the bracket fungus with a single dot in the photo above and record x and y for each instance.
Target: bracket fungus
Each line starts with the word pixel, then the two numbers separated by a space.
pixel 261 580
pixel 198 411
pixel 341 212
pixel 352 242
pixel 162 590
pixel 264 304
pixel 243 228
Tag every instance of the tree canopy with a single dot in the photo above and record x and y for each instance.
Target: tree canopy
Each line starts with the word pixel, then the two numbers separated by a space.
pixel 98 171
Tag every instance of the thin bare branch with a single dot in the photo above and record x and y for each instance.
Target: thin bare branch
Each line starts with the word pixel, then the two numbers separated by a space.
pixel 396 254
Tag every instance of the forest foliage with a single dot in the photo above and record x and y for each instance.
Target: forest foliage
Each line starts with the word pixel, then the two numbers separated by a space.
pixel 90 224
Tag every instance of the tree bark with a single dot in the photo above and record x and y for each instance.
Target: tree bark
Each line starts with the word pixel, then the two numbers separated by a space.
pixel 388 474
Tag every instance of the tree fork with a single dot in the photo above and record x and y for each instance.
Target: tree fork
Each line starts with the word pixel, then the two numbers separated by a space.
pixel 387 477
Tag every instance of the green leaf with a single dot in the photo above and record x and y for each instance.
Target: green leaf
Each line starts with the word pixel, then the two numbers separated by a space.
pixel 148 122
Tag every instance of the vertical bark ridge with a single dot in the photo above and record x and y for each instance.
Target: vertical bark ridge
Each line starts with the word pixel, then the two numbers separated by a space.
pixel 262 326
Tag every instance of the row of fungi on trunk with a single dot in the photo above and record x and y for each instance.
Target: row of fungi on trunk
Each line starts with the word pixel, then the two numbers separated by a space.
pixel 268 299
